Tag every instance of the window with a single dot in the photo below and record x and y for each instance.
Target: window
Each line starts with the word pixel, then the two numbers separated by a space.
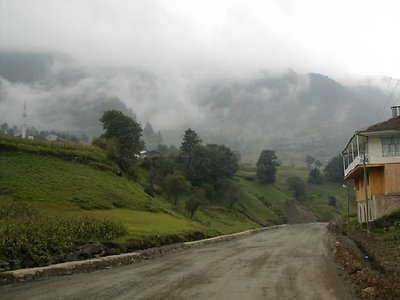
pixel 390 146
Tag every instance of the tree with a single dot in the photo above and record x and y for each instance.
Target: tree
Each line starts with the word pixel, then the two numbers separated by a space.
pixel 162 149
pixel 318 164
pixel 172 149
pixel 297 186
pixel 190 140
pixel 211 164
pixel 333 171
pixel 232 193
pixel 267 165
pixel 151 138
pixel 315 176
pixel 197 199
pixel 4 127
pixel 126 132
pixel 309 160
pixel 175 185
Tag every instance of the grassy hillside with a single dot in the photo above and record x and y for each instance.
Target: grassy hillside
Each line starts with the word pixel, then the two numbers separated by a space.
pixel 55 196
pixel 278 196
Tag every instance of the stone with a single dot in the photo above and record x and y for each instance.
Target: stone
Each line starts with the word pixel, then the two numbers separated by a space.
pixel 368 291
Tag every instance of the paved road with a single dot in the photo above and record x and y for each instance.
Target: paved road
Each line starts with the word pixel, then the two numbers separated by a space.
pixel 291 262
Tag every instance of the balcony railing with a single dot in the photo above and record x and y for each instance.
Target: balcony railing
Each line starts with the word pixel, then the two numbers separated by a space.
pixel 358 160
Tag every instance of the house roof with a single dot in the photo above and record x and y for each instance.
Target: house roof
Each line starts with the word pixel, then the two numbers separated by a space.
pixel 391 124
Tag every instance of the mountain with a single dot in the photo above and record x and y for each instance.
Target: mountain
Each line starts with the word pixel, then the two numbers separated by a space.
pixel 294 114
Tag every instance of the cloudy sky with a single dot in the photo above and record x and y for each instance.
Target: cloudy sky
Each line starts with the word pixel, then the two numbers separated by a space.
pixel 338 37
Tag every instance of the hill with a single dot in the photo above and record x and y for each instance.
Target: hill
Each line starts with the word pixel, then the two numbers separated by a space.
pixel 57 197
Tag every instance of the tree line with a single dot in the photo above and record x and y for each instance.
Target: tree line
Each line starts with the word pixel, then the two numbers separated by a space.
pixel 196 173
pixel 199 173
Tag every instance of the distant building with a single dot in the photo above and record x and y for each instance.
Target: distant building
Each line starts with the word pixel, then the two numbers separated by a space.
pixel 24 125
pixel 51 137
pixel 372 160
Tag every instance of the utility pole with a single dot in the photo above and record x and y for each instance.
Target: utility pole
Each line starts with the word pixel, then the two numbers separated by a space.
pixel 348 206
pixel 365 186
pixel 348 203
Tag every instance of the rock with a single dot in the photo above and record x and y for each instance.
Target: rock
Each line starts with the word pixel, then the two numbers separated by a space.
pixel 368 292
pixel 89 250
pixel 67 257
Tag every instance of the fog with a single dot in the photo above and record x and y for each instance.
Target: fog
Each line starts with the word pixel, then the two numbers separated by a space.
pixel 335 37
pixel 285 75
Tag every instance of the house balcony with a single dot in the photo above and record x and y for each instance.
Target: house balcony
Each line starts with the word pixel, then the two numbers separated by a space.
pixel 351 165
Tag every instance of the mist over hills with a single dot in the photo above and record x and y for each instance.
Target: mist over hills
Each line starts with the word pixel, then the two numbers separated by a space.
pixel 294 114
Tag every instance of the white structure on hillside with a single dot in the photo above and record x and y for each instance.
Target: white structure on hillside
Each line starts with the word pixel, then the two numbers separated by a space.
pixel 24 125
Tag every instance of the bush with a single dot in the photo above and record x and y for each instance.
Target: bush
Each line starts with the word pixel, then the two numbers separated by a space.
pixel 297 186
pixel 332 201
pixel 315 176
pixel 25 231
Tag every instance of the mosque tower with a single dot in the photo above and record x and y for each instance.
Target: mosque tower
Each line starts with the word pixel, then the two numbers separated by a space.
pixel 24 126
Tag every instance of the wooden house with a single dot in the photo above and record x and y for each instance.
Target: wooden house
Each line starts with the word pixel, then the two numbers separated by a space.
pixel 372 160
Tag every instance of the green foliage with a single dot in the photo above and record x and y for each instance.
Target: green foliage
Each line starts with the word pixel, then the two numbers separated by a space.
pixel 211 164
pixel 67 151
pixel 233 192
pixel 25 230
pixel 267 165
pixel 387 227
pixel 309 160
pixel 30 177
pixel 159 167
pixel 190 140
pixel 196 199
pixel 333 171
pixel 126 133
pixel 388 222
pixel 332 201
pixel 297 186
pixel 162 149
pixel 100 142
pixel 175 185
pixel 318 164
pixel 315 176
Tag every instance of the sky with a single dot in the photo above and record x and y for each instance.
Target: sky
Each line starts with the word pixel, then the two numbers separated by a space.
pixel 338 38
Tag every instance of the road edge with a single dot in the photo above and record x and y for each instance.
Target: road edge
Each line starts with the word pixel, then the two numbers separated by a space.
pixel 107 262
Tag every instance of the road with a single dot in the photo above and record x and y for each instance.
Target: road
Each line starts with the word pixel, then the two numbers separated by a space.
pixel 290 262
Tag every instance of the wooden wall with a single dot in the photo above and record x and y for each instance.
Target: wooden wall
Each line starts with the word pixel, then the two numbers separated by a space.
pixel 376 181
pixel 392 175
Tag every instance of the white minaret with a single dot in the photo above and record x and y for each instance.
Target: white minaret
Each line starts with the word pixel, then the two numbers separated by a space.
pixel 24 126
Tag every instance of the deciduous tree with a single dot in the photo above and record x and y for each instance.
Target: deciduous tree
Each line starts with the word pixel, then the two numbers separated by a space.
pixel 267 165
pixel 197 199
pixel 297 186
pixel 211 164
pixel 126 131
pixel 176 185
pixel 333 171
pixel 315 176
pixel 309 160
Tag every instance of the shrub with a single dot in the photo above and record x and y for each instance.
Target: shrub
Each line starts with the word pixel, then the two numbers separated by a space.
pixel 25 231
pixel 332 201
